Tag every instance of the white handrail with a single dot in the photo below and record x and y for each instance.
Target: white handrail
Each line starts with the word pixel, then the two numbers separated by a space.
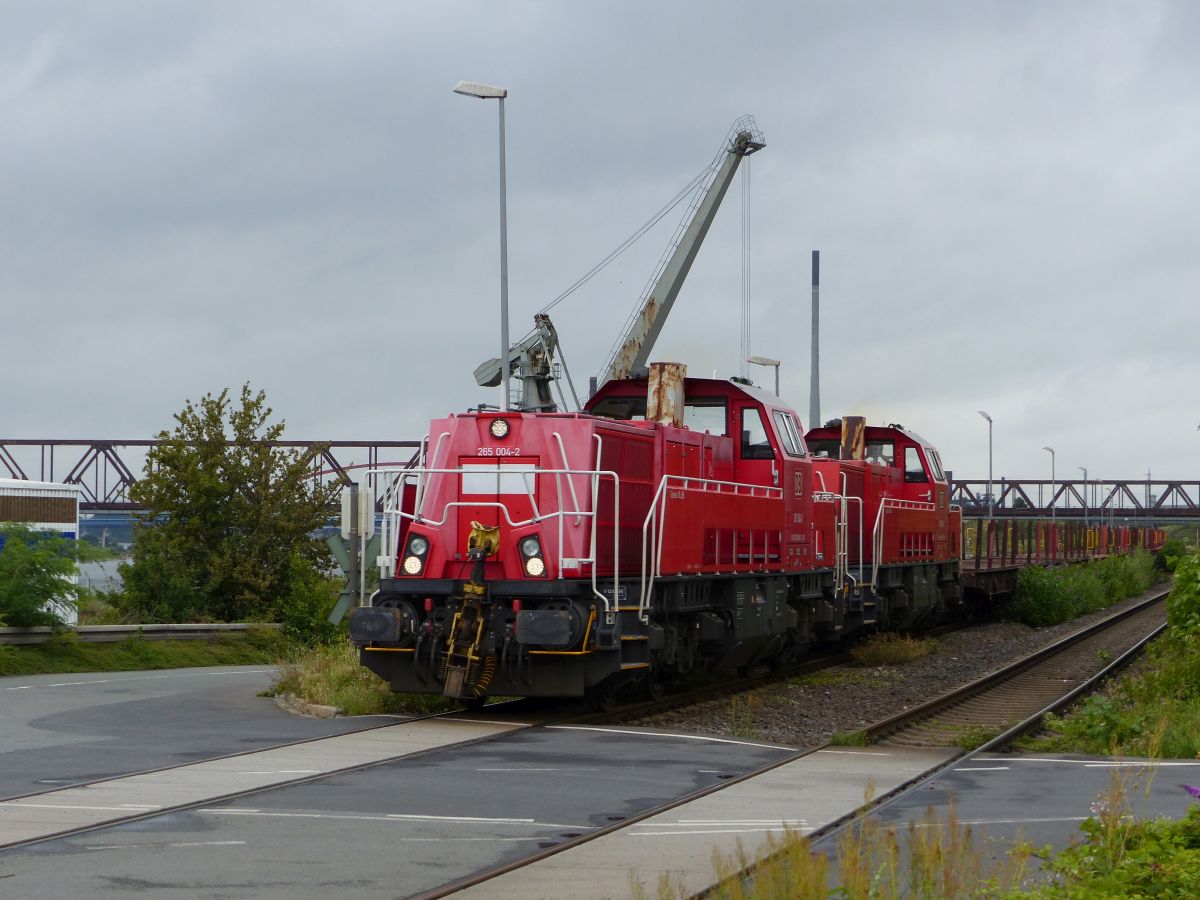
pixel 877 537
pixel 570 483
pixel 394 498
pixel 654 534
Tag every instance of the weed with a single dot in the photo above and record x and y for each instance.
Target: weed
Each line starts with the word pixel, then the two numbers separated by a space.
pixel 891 649
pixel 839 676
pixel 742 710
pixel 974 736
pixel 330 675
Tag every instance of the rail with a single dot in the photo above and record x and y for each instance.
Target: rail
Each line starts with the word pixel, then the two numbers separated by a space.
pixel 107 633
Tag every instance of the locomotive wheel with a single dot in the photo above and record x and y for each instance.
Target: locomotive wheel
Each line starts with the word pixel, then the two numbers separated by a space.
pixel 473 704
pixel 652 686
pixel 601 697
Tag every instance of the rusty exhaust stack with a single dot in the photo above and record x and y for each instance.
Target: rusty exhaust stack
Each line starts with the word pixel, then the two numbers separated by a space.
pixel 664 393
pixel 854 437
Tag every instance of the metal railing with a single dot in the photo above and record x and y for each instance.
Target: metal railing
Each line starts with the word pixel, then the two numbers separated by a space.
pixel 106 633
pixel 654 527
pixel 395 481
pixel 877 535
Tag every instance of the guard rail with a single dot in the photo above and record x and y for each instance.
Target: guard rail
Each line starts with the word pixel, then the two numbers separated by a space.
pixel 101 633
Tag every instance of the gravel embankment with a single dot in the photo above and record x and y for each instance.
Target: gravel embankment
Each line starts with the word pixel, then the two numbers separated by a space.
pixel 848 698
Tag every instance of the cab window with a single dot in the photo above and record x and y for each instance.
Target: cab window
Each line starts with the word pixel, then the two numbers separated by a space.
pixel 881 453
pixel 913 470
pixel 935 463
pixel 755 443
pixel 785 427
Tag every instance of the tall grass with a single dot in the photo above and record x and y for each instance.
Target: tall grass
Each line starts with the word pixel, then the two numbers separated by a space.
pixel 891 649
pixel 330 675
pixel 928 859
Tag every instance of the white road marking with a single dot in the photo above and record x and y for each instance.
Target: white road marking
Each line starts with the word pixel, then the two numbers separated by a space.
pixel 682 737
pixel 25 687
pixel 693 832
pixel 1145 763
pixel 277 772
pixel 124 807
pixel 487 722
pixel 389 817
pixel 734 822
pixel 856 752
pixel 73 683
pixel 999 821
pixel 159 846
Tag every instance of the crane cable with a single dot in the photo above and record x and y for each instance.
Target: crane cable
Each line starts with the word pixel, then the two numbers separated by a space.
pixel 633 238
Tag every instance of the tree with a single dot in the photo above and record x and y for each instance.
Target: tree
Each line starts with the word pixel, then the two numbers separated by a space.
pixel 35 572
pixel 228 522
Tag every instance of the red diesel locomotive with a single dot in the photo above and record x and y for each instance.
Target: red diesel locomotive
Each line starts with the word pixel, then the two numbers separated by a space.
pixel 676 524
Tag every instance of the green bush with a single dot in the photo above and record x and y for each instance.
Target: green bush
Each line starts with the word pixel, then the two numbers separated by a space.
pixel 1183 604
pixel 1170 554
pixel 34 570
pixel 304 612
pixel 1047 596
pixel 1041 598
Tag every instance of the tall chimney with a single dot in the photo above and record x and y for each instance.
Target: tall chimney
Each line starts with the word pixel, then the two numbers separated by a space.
pixel 814 379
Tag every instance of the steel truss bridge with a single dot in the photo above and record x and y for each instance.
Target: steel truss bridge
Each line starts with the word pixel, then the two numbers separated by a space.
pixel 104 470
pixel 1144 500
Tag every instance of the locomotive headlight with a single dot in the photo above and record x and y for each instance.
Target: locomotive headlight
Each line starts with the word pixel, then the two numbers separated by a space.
pixel 414 556
pixel 499 429
pixel 531 549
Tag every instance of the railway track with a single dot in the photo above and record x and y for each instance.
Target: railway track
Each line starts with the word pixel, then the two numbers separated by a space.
pixel 990 712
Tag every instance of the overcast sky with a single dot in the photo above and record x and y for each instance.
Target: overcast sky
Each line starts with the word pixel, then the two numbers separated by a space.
pixel 1005 195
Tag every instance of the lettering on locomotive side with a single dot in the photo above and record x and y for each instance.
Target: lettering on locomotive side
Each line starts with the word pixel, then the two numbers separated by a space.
pixel 675 495
pixel 499 451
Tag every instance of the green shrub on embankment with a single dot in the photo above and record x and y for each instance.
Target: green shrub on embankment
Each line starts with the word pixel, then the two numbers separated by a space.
pixel 1154 711
pixel 64 652
pixel 1048 596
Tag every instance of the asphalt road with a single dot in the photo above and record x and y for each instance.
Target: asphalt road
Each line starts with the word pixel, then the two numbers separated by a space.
pixel 64 729
pixel 1038 798
pixel 392 830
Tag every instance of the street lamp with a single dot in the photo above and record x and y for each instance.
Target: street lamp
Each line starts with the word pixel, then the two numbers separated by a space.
pixel 1083 469
pixel 991 502
pixel 1050 450
pixel 489 92
pixel 767 361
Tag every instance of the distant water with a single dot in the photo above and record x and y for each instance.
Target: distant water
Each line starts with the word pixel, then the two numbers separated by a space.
pixel 100 576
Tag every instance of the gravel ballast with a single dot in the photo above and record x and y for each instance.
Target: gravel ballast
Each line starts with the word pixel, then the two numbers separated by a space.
pixel 808 710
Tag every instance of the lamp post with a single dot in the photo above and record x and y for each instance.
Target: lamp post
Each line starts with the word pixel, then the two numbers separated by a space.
pixel 1050 450
pixel 489 92
pixel 767 361
pixel 1083 469
pixel 991 501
